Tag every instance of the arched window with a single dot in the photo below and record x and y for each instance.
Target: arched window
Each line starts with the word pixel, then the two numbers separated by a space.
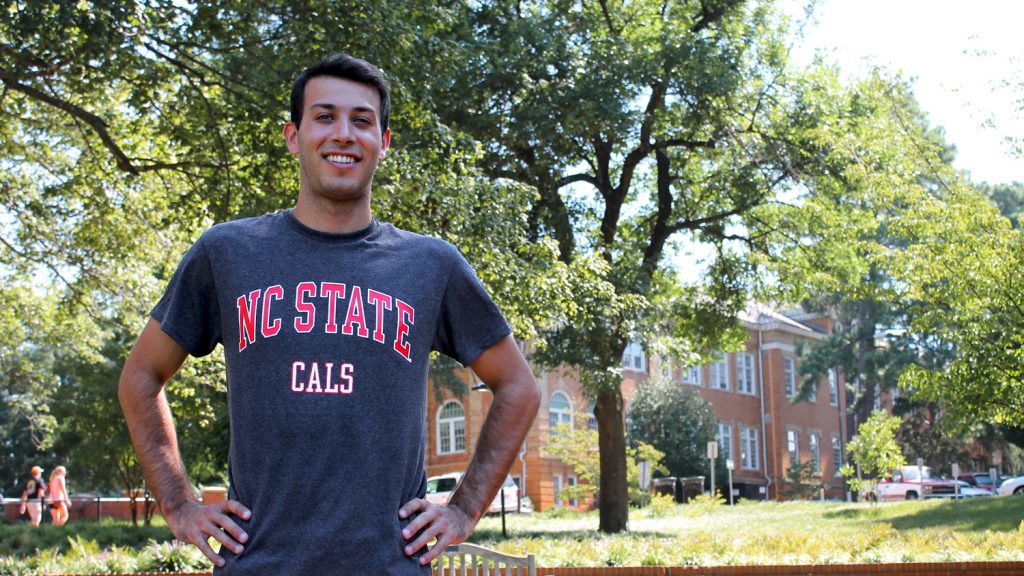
pixel 451 429
pixel 559 410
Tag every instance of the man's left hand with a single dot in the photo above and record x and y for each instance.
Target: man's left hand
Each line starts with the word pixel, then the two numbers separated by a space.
pixel 448 524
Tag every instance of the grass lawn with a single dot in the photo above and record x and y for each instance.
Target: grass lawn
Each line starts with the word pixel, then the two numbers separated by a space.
pixel 756 533
pixel 979 529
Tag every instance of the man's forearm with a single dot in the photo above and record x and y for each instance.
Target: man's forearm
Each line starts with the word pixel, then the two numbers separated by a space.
pixel 152 431
pixel 501 436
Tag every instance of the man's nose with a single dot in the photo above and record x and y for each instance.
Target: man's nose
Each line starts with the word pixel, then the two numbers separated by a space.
pixel 343 131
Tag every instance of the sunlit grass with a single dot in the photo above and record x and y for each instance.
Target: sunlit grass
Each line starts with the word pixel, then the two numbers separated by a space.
pixel 982 529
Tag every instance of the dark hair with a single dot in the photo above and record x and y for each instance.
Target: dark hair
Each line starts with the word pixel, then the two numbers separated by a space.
pixel 349 68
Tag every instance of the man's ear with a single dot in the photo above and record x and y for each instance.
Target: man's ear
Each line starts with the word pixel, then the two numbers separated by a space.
pixel 385 143
pixel 291 137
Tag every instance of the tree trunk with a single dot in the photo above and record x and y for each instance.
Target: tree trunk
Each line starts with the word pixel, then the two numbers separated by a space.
pixel 614 502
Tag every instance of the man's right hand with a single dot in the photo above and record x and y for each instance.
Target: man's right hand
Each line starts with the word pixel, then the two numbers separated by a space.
pixel 195 523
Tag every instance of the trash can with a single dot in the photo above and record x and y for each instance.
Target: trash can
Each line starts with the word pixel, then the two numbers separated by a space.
pixel 665 486
pixel 689 487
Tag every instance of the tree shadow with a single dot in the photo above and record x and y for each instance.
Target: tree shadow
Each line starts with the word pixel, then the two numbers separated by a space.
pixel 998 514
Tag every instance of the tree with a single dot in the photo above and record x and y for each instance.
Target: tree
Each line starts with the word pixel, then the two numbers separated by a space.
pixel 676 421
pixel 130 126
pixel 636 125
pixel 875 451
pixel 577 446
pixel 802 481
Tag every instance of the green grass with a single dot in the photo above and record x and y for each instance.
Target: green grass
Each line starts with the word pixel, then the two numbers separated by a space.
pixel 980 529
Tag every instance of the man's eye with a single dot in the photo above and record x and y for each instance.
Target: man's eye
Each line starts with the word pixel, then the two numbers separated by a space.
pixel 362 120
pixel 324 116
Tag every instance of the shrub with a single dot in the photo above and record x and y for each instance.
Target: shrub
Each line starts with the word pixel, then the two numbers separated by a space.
pixel 661 505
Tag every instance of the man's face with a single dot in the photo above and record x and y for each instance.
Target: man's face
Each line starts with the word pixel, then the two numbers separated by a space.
pixel 339 141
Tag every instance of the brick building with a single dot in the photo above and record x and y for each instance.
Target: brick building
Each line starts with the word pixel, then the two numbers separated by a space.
pixel 761 428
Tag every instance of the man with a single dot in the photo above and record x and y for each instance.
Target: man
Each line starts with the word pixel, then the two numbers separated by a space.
pixel 33 497
pixel 327 318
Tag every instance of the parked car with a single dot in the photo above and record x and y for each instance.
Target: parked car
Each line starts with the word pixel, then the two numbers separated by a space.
pixel 968 491
pixel 913 482
pixel 1012 486
pixel 979 480
pixel 440 488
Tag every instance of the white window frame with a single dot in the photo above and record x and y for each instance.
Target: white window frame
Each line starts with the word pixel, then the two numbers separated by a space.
pixel 591 416
pixel 557 481
pixel 789 376
pixel 814 445
pixel 745 374
pixel 720 373
pixel 793 446
pixel 813 396
pixel 725 441
pixel 837 455
pixel 833 387
pixel 690 375
pixel 750 449
pixel 573 503
pixel 451 425
pixel 633 357
pixel 559 415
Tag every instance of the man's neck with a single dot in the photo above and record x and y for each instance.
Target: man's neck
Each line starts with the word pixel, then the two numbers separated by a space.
pixel 333 217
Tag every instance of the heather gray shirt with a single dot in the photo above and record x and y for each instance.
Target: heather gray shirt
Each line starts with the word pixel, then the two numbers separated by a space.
pixel 327 340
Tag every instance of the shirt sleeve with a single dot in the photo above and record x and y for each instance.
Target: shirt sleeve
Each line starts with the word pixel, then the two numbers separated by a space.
pixel 189 311
pixel 470 321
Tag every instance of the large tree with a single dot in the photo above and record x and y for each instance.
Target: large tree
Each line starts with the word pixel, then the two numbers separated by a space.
pixel 128 126
pixel 637 124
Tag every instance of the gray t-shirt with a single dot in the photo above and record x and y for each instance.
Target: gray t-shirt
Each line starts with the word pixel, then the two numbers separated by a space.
pixel 327 340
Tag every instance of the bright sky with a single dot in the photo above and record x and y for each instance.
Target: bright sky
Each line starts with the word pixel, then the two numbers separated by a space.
pixel 959 55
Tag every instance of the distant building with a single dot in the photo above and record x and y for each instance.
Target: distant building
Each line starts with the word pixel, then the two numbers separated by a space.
pixel 760 427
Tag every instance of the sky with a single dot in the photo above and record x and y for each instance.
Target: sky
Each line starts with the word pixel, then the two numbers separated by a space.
pixel 960 55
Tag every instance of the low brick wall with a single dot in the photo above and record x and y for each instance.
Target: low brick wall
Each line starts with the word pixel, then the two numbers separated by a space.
pixel 908 569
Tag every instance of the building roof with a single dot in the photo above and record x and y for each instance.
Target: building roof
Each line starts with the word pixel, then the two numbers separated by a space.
pixel 766 317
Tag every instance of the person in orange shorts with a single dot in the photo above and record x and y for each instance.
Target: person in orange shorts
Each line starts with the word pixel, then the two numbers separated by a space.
pixel 59 502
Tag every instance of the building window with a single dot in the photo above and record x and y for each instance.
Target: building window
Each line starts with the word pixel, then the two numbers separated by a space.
pixel 559 410
pixel 591 417
pixel 666 370
pixel 749 448
pixel 833 387
pixel 720 373
pixel 633 357
pixel 573 503
pixel 451 429
pixel 557 481
pixel 814 443
pixel 793 447
pixel 813 395
pixel 837 455
pixel 691 375
pixel 790 377
pixel 745 376
pixel 725 441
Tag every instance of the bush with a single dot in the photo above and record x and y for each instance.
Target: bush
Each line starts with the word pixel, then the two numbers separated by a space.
pixel 661 505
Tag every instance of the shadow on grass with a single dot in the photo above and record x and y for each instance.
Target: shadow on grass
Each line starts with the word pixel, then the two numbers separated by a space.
pixel 488 534
pixel 998 514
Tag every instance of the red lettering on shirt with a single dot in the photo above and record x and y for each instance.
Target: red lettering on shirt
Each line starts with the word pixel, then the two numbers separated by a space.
pixel 355 315
pixel 302 291
pixel 247 318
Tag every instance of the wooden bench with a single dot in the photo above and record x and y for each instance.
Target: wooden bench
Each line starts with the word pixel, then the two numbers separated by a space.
pixel 472 560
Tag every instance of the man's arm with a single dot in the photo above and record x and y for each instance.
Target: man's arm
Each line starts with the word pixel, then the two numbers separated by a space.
pixel 152 362
pixel 516 399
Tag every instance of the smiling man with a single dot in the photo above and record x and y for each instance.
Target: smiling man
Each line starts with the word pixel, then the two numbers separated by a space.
pixel 334 314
